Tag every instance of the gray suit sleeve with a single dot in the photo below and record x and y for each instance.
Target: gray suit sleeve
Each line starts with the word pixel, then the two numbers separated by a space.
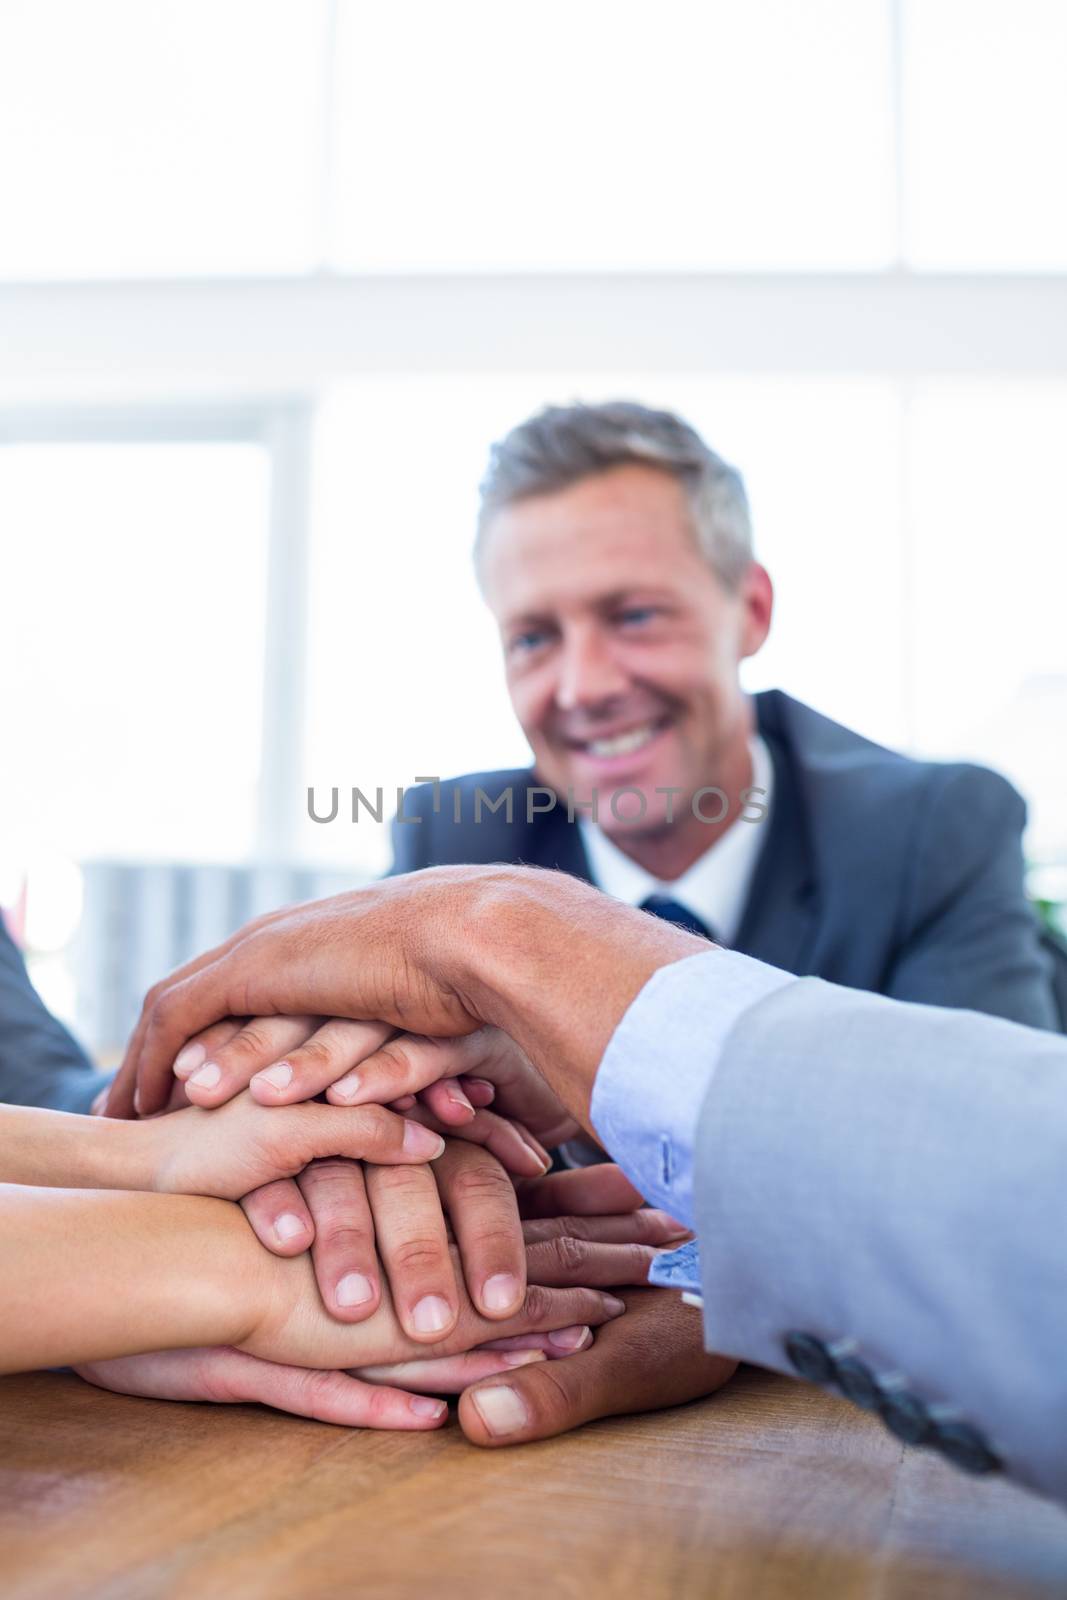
pixel 971 938
pixel 887 1181
pixel 40 1063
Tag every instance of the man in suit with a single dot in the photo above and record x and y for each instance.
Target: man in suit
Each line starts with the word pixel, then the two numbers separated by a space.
pixel 877 1187
pixel 615 553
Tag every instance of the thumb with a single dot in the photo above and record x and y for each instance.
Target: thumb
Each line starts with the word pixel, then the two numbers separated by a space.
pixel 540 1401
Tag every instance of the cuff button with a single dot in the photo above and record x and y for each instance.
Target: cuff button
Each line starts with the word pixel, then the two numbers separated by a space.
pixel 810 1357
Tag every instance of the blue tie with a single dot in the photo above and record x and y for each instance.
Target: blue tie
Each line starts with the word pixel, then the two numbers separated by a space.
pixel 681 916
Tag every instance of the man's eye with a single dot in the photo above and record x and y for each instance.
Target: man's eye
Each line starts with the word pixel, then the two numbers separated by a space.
pixel 634 616
pixel 524 643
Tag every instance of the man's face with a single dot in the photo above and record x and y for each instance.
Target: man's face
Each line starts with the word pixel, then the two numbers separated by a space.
pixel 621 644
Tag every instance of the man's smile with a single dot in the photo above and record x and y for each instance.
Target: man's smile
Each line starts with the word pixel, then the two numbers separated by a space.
pixel 619 744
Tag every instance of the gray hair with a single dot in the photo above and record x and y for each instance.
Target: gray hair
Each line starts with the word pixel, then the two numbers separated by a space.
pixel 563 444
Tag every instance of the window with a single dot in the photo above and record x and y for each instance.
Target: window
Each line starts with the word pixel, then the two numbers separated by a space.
pixel 131 646
pixel 989 657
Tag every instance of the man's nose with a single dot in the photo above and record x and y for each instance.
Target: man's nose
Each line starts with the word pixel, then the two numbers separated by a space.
pixel 588 673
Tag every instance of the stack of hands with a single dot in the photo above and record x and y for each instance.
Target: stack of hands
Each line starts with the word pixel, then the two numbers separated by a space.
pixel 466 1007
pixel 440 1235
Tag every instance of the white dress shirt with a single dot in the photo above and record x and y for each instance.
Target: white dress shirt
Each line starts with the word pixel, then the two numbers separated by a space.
pixel 716 887
pixel 659 1063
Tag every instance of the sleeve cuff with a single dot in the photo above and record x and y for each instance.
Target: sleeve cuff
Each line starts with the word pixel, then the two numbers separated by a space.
pixel 659 1064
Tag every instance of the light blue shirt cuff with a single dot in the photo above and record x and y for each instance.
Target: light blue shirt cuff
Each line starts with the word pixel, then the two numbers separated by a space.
pixel 659 1064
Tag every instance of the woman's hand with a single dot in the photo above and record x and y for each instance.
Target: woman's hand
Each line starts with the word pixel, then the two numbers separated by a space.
pixel 229 1152
pixel 402 1396
pixel 368 1209
pixel 143 1272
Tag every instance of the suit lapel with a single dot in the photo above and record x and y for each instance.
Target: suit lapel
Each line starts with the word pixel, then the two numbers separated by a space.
pixel 781 916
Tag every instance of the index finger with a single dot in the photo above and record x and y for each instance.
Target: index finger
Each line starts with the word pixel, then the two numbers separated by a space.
pixel 125 1084
pixel 173 1013
pixel 404 1066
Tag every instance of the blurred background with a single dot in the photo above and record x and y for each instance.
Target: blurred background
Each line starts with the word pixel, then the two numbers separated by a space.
pixel 274 273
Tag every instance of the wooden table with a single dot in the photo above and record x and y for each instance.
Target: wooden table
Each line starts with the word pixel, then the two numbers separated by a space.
pixel 767 1490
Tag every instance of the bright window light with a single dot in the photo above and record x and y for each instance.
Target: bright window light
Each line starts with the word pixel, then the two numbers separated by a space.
pixel 177 137
pixel 985 134
pixel 608 135
pixel 131 647
pixel 990 648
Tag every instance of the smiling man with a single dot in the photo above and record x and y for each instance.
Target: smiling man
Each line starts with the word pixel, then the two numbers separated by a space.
pixel 615 551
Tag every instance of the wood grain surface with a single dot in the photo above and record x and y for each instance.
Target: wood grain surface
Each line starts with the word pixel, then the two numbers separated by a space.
pixel 766 1491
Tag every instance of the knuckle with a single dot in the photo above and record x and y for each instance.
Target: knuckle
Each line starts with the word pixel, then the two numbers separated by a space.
pixel 648 1225
pixel 638 1261
pixel 500 1242
pixel 341 1233
pixel 253 1041
pixel 375 1123
pixel 326 1171
pixel 164 1008
pixel 418 1254
pixel 395 1059
pixel 314 1388
pixel 550 1397
pixel 379 1406
pixel 571 1254
pixel 260 1204
pixel 476 1182
pixel 400 1183
pixel 157 989
pixel 537 1303
pixel 313 1053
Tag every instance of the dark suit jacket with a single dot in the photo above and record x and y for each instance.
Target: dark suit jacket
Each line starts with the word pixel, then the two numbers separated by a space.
pixel 40 1063
pixel 904 877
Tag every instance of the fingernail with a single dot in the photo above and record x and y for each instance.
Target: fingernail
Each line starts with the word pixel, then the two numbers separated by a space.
pixel 188 1060
pixel 544 1161
pixel 570 1339
pixel 289 1226
pixel 458 1098
pixel 501 1409
pixel 423 1406
pixel 137 1100
pixel 521 1358
pixel 613 1307
pixel 280 1076
pixel 346 1088
pixel 422 1142
pixel 354 1289
pixel 207 1077
pixel 431 1314
pixel 484 1085
pixel 500 1292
